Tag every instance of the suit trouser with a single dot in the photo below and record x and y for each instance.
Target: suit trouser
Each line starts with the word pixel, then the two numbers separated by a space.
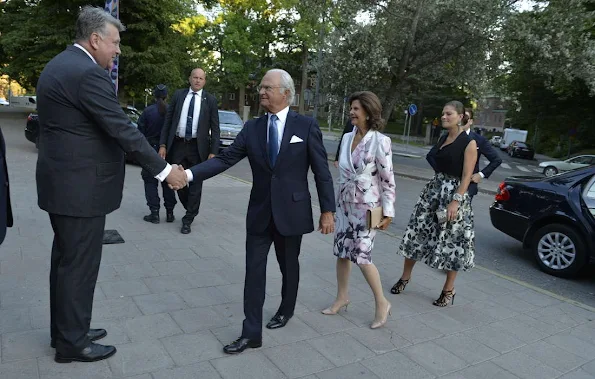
pixel 152 191
pixel 287 249
pixel 186 154
pixel 76 255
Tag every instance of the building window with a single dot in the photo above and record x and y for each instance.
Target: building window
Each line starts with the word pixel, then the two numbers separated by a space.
pixel 232 96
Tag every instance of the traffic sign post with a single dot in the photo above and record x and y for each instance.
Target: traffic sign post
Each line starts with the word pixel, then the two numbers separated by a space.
pixel 411 111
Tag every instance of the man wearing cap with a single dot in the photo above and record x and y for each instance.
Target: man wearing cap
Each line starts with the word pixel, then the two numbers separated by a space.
pixel 190 135
pixel 150 124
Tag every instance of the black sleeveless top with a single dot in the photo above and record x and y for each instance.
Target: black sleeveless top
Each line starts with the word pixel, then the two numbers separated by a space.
pixel 450 158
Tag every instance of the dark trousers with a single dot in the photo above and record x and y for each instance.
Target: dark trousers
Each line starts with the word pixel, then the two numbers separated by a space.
pixel 152 192
pixel 186 154
pixel 287 249
pixel 76 255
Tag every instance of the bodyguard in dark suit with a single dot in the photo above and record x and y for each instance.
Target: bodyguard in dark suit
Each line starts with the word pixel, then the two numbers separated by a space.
pixel 281 147
pixel 5 207
pixel 80 174
pixel 483 147
pixel 190 135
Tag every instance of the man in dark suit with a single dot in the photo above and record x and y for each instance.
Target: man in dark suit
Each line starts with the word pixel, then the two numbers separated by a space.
pixel 5 207
pixel 190 135
pixel 281 147
pixel 80 174
pixel 483 147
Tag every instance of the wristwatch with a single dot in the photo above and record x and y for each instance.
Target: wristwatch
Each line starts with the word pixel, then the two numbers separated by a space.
pixel 457 197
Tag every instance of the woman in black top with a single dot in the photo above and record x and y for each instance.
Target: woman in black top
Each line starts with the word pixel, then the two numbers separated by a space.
pixel 448 245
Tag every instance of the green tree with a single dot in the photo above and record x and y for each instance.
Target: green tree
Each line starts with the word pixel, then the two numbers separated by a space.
pixel 154 47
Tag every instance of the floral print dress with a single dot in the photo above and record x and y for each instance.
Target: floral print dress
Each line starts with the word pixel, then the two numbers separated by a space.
pixel 366 181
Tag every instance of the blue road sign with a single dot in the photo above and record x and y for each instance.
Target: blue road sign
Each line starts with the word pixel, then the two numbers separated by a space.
pixel 412 109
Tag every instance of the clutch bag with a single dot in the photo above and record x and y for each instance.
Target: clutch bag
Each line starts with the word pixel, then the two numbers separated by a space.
pixel 373 217
pixel 441 216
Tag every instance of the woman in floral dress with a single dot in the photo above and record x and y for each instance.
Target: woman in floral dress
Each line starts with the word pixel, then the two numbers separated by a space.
pixel 448 245
pixel 366 181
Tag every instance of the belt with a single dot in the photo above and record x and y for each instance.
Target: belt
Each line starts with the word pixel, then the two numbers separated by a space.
pixel 185 140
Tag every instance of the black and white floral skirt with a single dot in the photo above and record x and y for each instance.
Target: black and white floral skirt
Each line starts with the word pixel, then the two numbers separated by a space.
pixel 450 246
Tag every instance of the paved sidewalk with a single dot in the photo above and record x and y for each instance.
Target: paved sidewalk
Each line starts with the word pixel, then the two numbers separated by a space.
pixel 170 302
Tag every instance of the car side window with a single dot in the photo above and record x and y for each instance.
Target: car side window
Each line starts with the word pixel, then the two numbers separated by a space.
pixel 589 195
pixel 576 160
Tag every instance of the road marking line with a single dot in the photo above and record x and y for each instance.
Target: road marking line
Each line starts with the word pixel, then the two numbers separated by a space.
pixel 523 168
pixel 505 165
pixel 502 276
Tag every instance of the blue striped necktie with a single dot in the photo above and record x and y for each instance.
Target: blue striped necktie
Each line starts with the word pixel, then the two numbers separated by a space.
pixel 273 140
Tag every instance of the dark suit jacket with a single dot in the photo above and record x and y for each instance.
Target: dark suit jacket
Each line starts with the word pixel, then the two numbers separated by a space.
pixel 483 147
pixel 5 207
pixel 280 192
pixel 208 121
pixel 83 134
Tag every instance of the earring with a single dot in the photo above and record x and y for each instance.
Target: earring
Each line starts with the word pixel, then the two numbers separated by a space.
pixel 367 117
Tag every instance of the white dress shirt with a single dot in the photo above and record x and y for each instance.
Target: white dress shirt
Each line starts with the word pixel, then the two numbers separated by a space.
pixel 468 131
pixel 181 131
pixel 280 123
pixel 163 174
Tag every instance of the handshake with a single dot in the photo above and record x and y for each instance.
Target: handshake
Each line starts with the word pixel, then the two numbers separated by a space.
pixel 177 178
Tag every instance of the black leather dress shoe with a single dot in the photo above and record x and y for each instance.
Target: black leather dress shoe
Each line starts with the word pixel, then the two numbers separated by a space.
pixel 278 321
pixel 185 229
pixel 241 344
pixel 92 353
pixel 94 335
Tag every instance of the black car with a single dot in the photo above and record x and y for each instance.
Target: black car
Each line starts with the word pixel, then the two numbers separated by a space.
pixel 521 150
pixel 32 127
pixel 554 217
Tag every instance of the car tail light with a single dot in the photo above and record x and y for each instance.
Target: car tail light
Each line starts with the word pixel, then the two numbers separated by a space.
pixel 502 194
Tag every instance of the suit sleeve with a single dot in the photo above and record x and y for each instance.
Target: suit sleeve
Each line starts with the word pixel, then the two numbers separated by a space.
pixel 228 157
pixel 98 99
pixel 322 175
pixel 384 164
pixel 165 129
pixel 214 119
pixel 491 154
pixel 142 123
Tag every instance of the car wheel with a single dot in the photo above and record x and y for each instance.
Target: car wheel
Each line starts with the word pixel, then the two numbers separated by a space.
pixel 559 250
pixel 550 171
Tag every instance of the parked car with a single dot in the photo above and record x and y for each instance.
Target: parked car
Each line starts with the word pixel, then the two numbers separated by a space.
pixel 554 217
pixel 521 150
pixel 32 126
pixel 4 102
pixel 230 124
pixel 552 168
pixel 495 141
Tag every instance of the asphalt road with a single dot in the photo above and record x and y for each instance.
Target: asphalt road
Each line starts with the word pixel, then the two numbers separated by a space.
pixel 495 250
pixel 510 166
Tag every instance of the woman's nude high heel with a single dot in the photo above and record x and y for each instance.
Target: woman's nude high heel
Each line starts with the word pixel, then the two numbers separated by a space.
pixel 378 324
pixel 329 311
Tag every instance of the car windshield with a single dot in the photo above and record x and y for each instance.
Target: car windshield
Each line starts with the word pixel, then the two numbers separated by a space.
pixel 131 114
pixel 230 118
pixel 521 144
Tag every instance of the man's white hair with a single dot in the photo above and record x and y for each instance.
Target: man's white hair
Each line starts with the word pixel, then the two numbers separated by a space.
pixel 286 84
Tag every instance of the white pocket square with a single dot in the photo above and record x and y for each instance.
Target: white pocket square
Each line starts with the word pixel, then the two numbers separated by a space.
pixel 295 139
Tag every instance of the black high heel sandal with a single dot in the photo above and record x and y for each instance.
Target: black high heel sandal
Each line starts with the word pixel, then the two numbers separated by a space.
pixel 445 298
pixel 399 286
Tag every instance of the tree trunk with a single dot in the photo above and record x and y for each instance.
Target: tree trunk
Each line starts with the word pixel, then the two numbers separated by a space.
pixel 304 81
pixel 241 100
pixel 392 98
